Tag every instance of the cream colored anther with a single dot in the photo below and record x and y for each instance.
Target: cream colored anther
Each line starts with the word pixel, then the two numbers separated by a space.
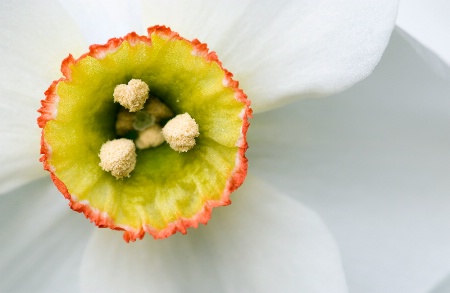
pixel 118 157
pixel 158 109
pixel 132 95
pixel 180 132
pixel 150 137
pixel 124 121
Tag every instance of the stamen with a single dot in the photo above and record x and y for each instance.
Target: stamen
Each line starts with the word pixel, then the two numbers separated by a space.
pixel 118 157
pixel 132 95
pixel 124 121
pixel 158 109
pixel 150 137
pixel 180 132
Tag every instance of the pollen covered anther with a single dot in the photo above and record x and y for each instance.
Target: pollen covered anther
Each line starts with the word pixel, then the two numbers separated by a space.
pixel 118 156
pixel 132 95
pixel 158 109
pixel 124 121
pixel 180 132
pixel 150 137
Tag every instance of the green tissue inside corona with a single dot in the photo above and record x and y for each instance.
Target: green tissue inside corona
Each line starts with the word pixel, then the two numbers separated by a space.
pixel 165 185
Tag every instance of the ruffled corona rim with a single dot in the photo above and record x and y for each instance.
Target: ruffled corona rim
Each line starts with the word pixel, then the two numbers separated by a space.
pixel 168 191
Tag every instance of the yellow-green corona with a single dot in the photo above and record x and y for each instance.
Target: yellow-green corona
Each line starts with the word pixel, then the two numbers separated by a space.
pixel 169 189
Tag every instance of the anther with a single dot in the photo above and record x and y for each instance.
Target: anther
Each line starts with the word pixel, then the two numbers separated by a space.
pixel 124 121
pixel 158 109
pixel 118 157
pixel 132 95
pixel 180 132
pixel 150 137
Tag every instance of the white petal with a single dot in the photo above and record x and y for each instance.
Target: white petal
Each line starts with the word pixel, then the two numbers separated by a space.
pixel 101 20
pixel 442 287
pixel 428 22
pixel 42 240
pixel 284 50
pixel 375 163
pixel 36 36
pixel 263 242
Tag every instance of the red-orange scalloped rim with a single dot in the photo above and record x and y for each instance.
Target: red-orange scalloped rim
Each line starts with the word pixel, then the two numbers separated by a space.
pixel 102 219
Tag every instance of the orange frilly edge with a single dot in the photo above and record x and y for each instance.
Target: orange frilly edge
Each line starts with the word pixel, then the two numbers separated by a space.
pixel 102 219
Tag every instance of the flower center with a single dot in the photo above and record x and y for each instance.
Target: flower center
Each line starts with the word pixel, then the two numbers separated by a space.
pixel 113 110
pixel 147 119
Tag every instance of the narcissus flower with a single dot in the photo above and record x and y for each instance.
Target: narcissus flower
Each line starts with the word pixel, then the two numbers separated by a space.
pixel 279 52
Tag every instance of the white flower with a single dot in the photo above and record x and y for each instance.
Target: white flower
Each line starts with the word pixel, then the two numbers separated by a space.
pixel 265 241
